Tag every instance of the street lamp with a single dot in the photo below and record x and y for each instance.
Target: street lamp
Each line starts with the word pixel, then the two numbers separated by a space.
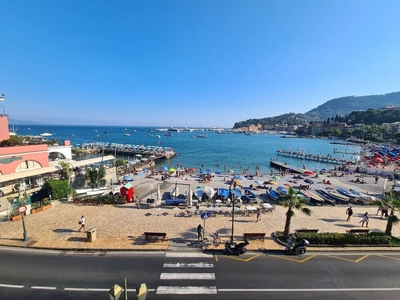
pixel 232 196
pixel 102 157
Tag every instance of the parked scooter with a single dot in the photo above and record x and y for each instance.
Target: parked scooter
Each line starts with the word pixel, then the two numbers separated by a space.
pixel 236 248
pixel 296 248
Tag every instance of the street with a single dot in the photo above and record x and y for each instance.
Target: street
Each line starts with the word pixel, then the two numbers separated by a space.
pixel 173 275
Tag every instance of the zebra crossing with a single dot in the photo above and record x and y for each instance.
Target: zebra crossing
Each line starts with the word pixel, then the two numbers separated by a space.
pixel 170 275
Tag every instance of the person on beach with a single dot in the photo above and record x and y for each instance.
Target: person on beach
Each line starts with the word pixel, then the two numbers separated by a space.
pixel 258 214
pixel 376 179
pixel 82 223
pixel 349 213
pixel 364 220
pixel 200 231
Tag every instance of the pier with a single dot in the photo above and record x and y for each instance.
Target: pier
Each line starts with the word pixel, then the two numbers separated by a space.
pixel 320 158
pixel 284 166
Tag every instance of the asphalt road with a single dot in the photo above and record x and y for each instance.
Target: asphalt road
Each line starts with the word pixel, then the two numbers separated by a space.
pixel 69 275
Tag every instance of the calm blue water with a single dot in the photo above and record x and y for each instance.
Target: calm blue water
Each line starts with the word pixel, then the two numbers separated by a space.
pixel 236 151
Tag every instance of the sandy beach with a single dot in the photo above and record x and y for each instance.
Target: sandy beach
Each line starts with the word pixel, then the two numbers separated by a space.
pixel 122 226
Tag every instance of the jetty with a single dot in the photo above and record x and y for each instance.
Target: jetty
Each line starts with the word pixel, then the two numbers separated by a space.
pixel 321 158
pixel 284 166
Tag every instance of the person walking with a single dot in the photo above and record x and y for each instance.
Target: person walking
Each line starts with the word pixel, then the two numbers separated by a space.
pixel 364 220
pixel 200 231
pixel 349 213
pixel 82 223
pixel 258 214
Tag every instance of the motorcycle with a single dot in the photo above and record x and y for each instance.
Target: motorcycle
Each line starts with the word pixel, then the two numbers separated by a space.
pixel 233 248
pixel 296 248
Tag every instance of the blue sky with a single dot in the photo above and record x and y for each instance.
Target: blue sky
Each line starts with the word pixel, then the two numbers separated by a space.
pixel 191 63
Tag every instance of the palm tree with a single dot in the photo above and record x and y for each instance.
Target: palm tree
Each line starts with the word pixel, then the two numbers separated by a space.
pixel 393 203
pixel 292 201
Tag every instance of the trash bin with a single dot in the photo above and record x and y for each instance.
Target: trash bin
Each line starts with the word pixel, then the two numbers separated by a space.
pixel 91 235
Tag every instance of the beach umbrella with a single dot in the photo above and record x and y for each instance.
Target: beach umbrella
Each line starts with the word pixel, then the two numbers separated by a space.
pixel 191 170
pixel 152 157
pixel 171 170
pixel 287 184
pixel 276 177
pixel 217 172
pixel 240 177
pixel 144 159
pixel 308 172
pixel 164 168
pixel 273 182
pixel 208 170
pixel 231 171
pixel 138 155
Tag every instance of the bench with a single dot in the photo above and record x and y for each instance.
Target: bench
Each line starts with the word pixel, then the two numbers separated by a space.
pixel 260 235
pixel 176 201
pixel 306 230
pixel 156 235
pixel 358 230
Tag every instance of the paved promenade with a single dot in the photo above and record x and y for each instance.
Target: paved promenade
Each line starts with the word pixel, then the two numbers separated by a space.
pixel 121 226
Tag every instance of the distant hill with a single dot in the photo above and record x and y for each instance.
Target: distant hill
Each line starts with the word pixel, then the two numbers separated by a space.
pixel 19 122
pixel 345 105
pixel 339 106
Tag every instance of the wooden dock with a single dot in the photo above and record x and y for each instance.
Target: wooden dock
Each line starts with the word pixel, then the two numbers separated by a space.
pixel 280 165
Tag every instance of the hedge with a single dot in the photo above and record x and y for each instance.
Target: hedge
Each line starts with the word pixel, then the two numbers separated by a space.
pixel 331 238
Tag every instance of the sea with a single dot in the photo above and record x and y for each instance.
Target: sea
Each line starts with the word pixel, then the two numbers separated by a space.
pixel 217 152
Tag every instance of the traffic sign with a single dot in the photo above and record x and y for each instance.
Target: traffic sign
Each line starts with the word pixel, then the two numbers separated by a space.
pixel 22 209
pixel 205 215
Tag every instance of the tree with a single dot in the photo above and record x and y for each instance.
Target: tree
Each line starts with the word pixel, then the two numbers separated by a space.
pixel 95 176
pixel 65 171
pixel 292 201
pixel 393 203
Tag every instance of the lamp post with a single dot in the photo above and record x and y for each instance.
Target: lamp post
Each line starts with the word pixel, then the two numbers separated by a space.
pixel 102 157
pixel 232 196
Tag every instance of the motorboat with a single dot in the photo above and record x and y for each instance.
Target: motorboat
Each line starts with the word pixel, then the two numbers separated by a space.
pixel 339 197
pixel 209 191
pixel 346 193
pixel 282 190
pixel 274 195
pixel 327 198
pixel 127 134
pixel 364 198
pixel 314 199
pixel 223 193
pixel 249 196
pixel 202 135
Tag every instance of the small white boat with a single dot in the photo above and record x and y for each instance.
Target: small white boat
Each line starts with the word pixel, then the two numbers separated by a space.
pixel 202 135
pixel 127 134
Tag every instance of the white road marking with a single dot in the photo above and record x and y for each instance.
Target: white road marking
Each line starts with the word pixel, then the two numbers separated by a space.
pixel 187 254
pixel 188 276
pixel 43 287
pixel 188 265
pixel 186 290
pixel 312 290
pixel 14 286
pixel 86 290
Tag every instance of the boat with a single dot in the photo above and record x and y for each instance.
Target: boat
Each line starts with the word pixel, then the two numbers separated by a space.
pixel 304 197
pixel 236 193
pixel 249 196
pixel 223 193
pixel 339 197
pixel 168 134
pixel 199 193
pixel 127 134
pixel 209 191
pixel 202 135
pixel 327 198
pixel 158 136
pixel 314 199
pixel 364 198
pixel 274 195
pixel 346 193
pixel 174 192
pixel 281 190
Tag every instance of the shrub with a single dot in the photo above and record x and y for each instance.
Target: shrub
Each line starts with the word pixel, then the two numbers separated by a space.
pixel 331 238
